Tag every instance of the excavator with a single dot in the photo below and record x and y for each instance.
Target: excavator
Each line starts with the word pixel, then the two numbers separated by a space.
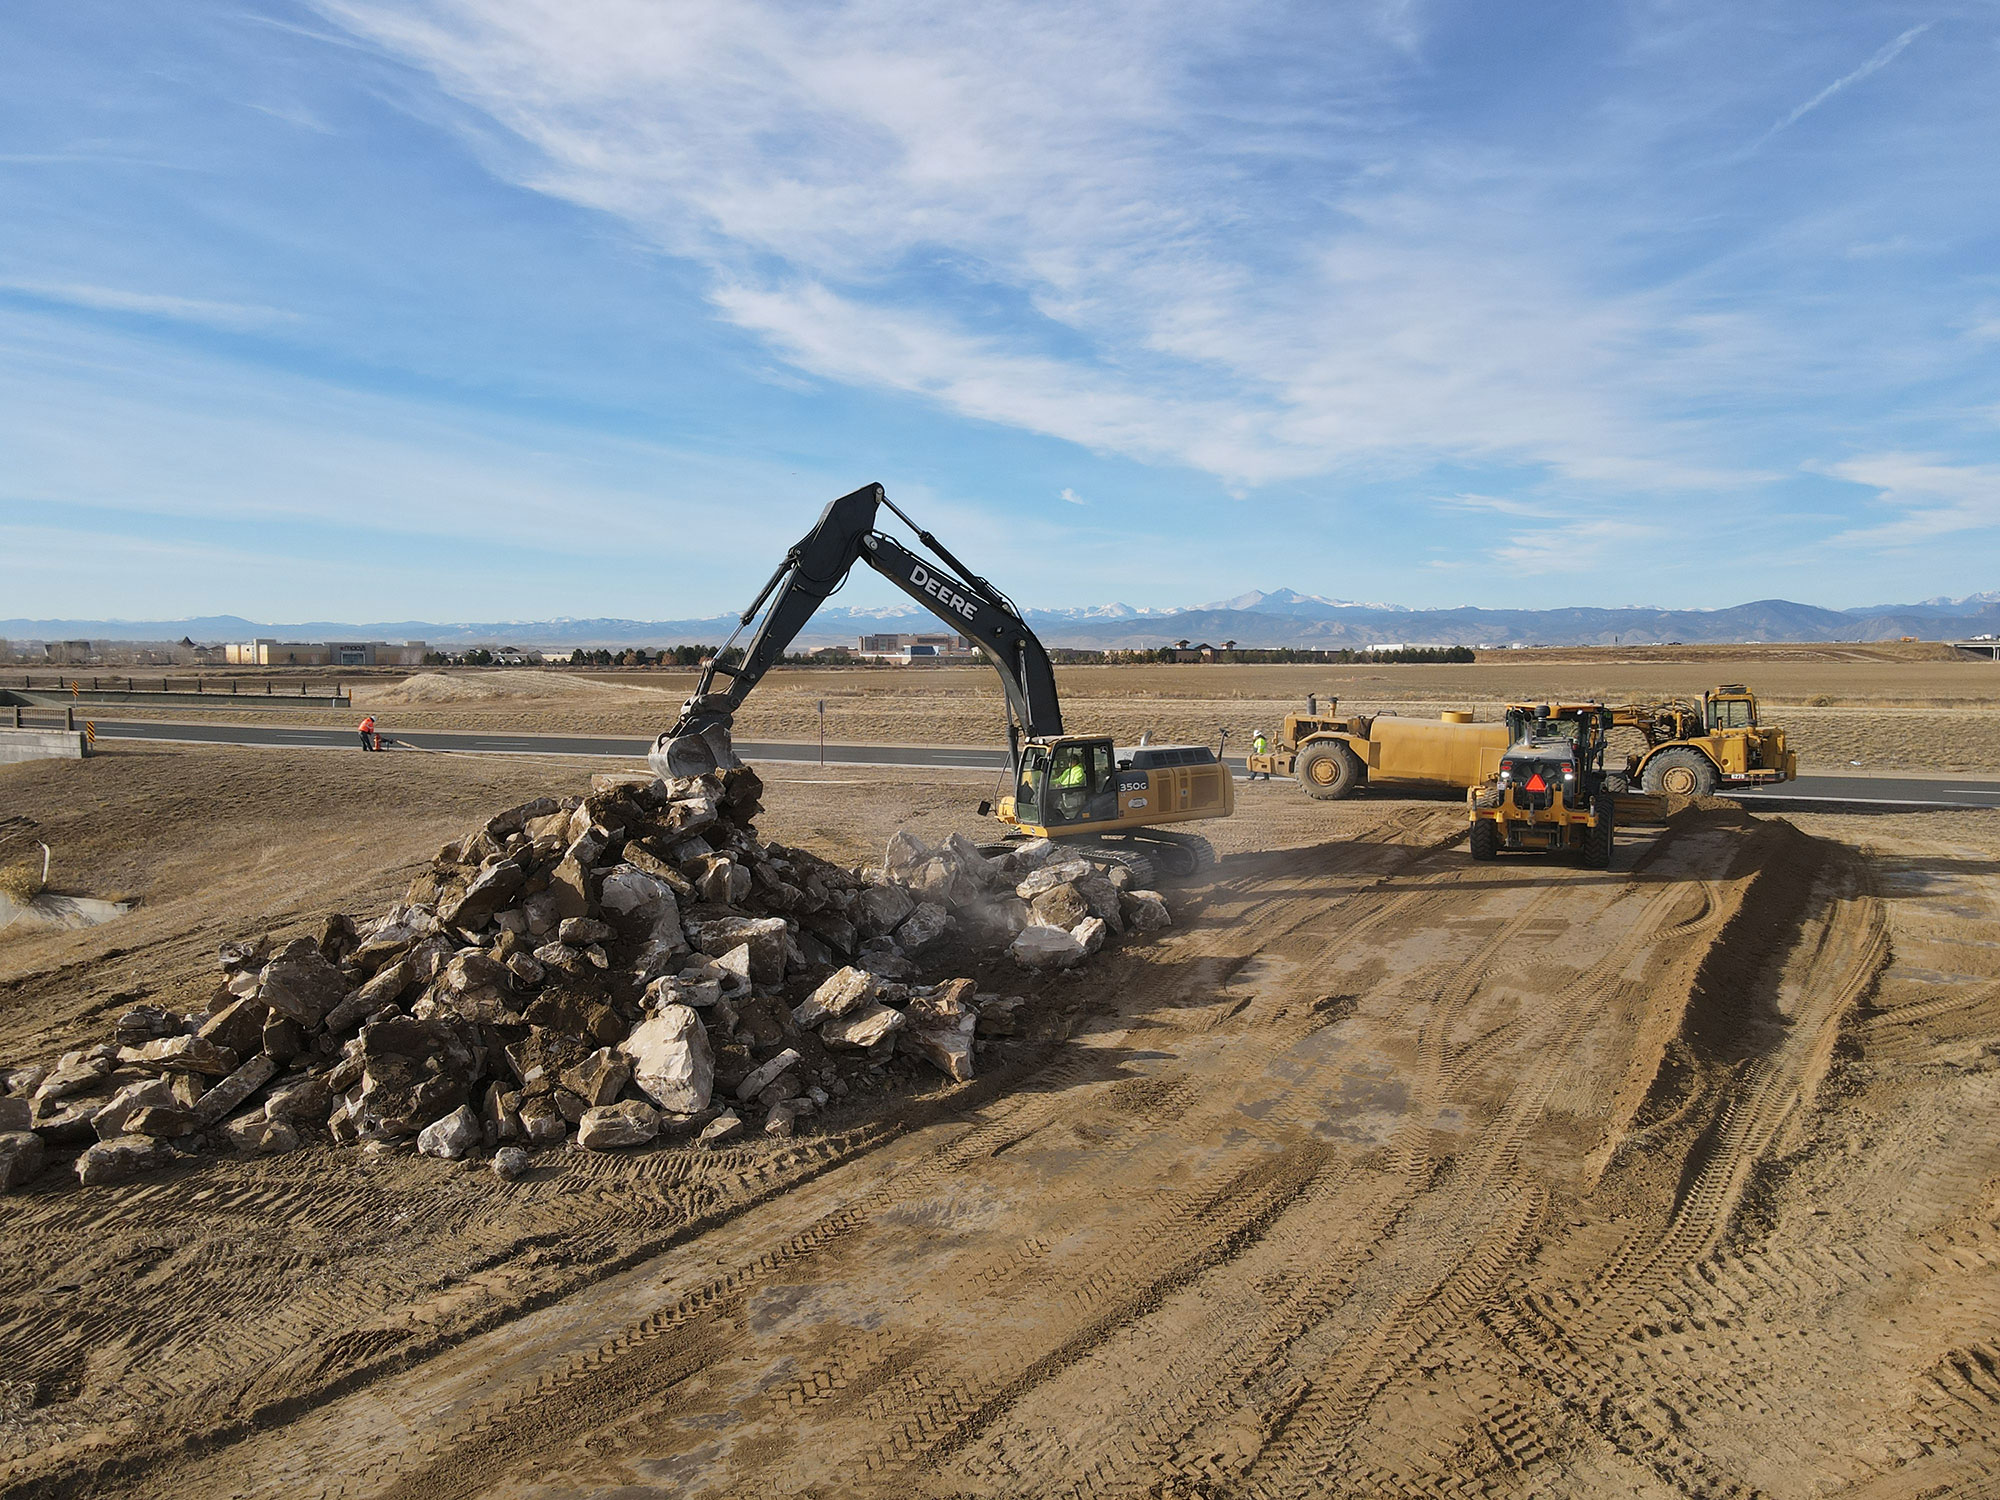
pixel 1069 787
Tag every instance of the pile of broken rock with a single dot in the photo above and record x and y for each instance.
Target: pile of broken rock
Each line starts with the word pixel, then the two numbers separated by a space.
pixel 609 969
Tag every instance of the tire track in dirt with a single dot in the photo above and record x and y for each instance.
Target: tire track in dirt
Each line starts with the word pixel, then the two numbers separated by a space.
pixel 1205 943
pixel 1051 1085
pixel 1565 1335
pixel 1206 1387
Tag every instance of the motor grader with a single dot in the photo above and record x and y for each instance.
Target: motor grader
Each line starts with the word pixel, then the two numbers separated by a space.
pixel 1549 794
pixel 1694 747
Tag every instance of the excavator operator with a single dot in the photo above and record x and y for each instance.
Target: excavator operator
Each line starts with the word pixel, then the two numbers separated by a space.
pixel 1067 780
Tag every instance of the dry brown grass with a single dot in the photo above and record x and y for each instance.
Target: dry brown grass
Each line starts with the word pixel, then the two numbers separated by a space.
pixel 21 882
pixel 1885 707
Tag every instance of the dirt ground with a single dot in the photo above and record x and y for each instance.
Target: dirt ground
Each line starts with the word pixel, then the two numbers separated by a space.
pixel 1873 708
pixel 1382 1173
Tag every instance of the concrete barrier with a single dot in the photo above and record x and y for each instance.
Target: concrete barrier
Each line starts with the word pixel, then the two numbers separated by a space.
pixel 41 744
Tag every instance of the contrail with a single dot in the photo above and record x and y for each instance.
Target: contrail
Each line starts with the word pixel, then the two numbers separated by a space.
pixel 1875 64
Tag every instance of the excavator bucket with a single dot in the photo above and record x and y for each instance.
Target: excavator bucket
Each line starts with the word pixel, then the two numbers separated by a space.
pixel 680 757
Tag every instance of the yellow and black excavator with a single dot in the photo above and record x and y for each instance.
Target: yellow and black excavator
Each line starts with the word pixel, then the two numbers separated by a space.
pixel 1065 786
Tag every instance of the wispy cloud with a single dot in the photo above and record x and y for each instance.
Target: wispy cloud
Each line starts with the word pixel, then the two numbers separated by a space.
pixel 1582 546
pixel 1936 497
pixel 853 176
pixel 232 315
pixel 1071 495
pixel 1882 58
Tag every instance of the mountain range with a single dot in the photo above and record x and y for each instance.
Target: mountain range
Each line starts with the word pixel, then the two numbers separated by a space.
pixel 1278 617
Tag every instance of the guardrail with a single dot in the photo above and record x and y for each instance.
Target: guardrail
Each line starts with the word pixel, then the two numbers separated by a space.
pixel 47 697
pixel 262 687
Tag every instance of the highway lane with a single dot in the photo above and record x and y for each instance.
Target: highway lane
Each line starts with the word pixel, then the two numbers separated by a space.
pixel 1808 793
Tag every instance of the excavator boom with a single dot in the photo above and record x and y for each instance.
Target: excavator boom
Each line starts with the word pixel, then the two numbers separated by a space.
pixel 812 571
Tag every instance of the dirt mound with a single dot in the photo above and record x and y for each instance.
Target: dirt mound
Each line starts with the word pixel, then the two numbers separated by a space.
pixel 494 687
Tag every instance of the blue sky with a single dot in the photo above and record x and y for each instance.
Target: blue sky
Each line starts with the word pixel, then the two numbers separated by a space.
pixel 520 308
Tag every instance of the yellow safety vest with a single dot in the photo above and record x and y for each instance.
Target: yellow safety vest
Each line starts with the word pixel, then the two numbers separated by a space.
pixel 1069 776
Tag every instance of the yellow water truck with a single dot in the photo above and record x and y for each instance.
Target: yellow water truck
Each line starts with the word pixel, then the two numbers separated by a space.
pixel 1332 755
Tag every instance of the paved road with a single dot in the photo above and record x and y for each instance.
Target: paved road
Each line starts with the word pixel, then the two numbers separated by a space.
pixel 1807 793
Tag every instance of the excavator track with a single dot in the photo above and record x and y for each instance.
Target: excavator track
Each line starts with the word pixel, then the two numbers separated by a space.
pixel 1181 856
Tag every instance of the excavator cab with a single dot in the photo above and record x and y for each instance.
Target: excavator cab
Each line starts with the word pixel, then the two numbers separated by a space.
pixel 1066 783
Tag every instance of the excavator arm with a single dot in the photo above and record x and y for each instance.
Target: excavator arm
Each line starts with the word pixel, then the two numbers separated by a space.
pixel 812 571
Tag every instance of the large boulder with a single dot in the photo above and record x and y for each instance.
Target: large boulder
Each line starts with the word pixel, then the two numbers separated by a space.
pixel 1103 899
pixel 301 984
pixel 723 882
pixel 492 888
pixel 168 1121
pixel 904 855
pixel 15 1114
pixel 672 1062
pixel 862 1028
pixel 1091 932
pixel 882 908
pixel 1060 906
pixel 567 895
pixel 21 1157
pixel 628 891
pixel 239 1026
pixel 939 1028
pixel 609 1127
pixel 982 870
pixel 846 990
pixel 475 986
pixel 598 1078
pixel 764 935
pixel 180 1054
pixel 924 928
pixel 412 1072
pixel 75 1072
pixel 662 945
pixel 109 1121
pixel 1040 947
pixel 451 1136
pixel 542 1122
pixel 1144 911
pixel 765 1074
pixel 402 926
pixel 298 1099
pixel 122 1157
pixel 1028 855
pixel 942 881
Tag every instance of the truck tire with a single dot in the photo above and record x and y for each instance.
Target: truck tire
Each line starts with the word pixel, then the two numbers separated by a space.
pixel 1597 841
pixel 1328 770
pixel 1680 772
pixel 1485 839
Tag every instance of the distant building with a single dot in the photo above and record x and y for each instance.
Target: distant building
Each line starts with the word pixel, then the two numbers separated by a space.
pixel 902 650
pixel 187 650
pixel 265 652
pixel 70 653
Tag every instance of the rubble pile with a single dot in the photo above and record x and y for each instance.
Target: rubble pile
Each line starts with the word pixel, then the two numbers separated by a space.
pixel 607 970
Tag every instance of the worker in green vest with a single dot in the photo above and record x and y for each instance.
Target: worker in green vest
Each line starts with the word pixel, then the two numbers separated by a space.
pixel 1259 746
pixel 1067 779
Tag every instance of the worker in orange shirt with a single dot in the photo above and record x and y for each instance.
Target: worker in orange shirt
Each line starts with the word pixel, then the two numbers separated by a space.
pixel 369 739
